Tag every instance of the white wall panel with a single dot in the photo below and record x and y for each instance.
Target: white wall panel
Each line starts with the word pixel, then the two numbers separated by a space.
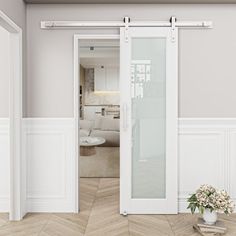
pixel 207 154
pixel 207 150
pixel 4 166
pixel 48 146
pixel 201 160
pixel 45 165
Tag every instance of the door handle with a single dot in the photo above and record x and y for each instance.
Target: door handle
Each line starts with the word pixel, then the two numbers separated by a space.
pixel 125 118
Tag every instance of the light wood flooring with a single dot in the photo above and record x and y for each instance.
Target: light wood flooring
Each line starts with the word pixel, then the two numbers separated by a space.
pixel 100 216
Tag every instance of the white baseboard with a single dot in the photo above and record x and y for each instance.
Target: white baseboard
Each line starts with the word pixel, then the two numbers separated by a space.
pixel 183 204
pixel 4 204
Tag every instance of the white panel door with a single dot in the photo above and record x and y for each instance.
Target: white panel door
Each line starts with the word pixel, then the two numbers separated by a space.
pixel 149 101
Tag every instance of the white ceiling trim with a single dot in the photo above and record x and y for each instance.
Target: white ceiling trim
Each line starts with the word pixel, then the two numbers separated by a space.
pixel 130 1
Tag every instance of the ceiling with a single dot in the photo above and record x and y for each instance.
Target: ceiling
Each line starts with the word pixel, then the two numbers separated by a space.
pixel 128 1
pixel 95 53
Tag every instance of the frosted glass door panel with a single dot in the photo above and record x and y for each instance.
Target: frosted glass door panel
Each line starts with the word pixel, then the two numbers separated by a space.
pixel 148 92
pixel 149 120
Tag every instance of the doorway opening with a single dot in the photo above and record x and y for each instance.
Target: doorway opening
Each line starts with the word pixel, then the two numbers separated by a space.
pixel 99 121
pixel 147 149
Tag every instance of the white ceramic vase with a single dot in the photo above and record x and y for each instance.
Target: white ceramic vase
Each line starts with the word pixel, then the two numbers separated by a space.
pixel 210 217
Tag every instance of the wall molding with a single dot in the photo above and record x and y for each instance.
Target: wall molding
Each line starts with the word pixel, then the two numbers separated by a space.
pixel 4 126
pixel 214 138
pixel 48 145
pixel 211 141
pixel 210 122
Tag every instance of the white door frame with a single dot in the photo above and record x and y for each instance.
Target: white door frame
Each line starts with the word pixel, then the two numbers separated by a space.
pixel 77 37
pixel 17 184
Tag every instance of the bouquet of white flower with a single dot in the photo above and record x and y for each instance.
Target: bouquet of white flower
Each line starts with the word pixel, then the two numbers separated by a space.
pixel 207 197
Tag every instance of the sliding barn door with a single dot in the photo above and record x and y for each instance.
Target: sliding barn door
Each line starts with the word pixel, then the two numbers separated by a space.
pixel 149 102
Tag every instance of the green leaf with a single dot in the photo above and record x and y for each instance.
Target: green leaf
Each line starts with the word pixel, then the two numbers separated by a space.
pixel 193 208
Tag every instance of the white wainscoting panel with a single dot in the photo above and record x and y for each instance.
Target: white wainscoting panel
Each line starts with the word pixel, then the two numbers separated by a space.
pixel 49 150
pixel 4 165
pixel 207 155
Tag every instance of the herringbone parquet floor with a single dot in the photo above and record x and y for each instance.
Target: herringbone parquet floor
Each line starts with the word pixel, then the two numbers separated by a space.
pixel 99 216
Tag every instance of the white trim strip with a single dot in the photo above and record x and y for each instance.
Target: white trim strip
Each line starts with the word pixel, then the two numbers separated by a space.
pixel 8 24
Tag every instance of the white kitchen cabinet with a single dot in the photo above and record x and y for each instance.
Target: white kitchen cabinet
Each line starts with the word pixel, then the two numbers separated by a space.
pixel 112 79
pixel 106 79
pixel 99 79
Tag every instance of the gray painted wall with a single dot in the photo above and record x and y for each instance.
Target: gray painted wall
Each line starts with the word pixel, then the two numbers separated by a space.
pixel 207 74
pixel 4 72
pixel 16 11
